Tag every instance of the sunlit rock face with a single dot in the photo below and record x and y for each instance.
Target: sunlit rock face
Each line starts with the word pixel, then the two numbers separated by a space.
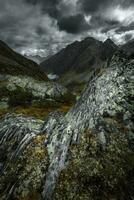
pixel 97 132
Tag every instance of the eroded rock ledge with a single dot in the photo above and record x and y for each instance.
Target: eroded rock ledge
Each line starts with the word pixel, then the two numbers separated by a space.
pixel 97 130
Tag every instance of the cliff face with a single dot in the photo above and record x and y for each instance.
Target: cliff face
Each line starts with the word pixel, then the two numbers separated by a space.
pixel 85 149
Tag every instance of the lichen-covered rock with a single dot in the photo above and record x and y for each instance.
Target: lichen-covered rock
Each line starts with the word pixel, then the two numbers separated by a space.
pixel 95 173
pixel 108 93
pixel 4 103
pixel 91 148
pixel 24 158
pixel 25 90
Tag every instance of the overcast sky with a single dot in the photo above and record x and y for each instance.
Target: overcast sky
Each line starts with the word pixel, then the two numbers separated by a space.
pixel 45 26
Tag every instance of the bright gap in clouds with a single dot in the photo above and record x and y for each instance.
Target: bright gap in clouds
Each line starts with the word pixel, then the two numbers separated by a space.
pixel 122 15
pixel 118 38
pixel 88 18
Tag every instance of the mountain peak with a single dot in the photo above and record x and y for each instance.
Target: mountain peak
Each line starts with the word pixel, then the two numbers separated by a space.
pixel 79 56
pixel 108 41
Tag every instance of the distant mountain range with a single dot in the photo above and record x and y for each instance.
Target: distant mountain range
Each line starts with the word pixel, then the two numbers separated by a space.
pixel 36 58
pixel 13 63
pixel 74 63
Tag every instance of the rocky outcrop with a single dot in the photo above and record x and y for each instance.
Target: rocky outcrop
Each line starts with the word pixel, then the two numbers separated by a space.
pixel 109 93
pixel 98 128
pixel 19 90
pixel 23 160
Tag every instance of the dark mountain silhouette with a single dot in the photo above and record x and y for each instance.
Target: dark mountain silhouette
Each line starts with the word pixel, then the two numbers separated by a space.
pixel 13 63
pixel 129 48
pixel 75 63
pixel 80 56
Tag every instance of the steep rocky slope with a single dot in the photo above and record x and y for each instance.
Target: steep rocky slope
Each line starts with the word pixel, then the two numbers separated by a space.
pixel 75 63
pixel 86 154
pixel 129 48
pixel 79 56
pixel 13 63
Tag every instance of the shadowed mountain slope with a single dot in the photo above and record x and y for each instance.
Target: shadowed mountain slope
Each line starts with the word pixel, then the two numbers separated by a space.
pixel 129 48
pixel 75 63
pixel 79 56
pixel 15 64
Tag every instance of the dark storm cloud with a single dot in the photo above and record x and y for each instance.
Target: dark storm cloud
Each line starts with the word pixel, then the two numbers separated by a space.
pixel 33 25
pixel 92 6
pixel 128 37
pixel 73 24
pixel 127 3
pixel 125 28
pixel 24 25
pixel 47 6
pixel 99 21
pixel 40 30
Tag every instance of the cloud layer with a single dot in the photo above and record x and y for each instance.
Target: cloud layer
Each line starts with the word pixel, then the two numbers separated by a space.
pixel 46 26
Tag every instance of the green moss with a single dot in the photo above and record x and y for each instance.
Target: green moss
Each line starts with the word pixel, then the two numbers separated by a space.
pixel 96 175
pixel 19 97
pixel 3 112
pixel 46 104
pixel 68 98
pixel 27 172
pixel 3 92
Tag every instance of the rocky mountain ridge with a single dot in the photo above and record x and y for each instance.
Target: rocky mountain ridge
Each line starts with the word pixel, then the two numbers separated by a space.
pixel 74 63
